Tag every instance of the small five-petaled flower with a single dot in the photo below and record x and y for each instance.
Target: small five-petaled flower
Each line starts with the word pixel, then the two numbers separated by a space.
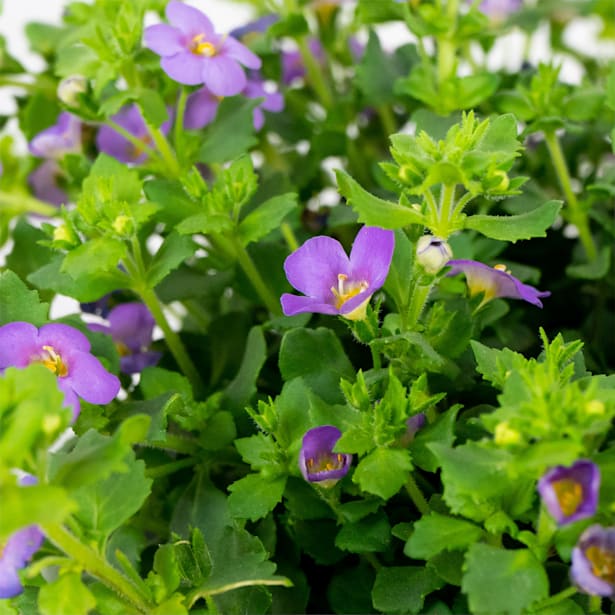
pixel 317 461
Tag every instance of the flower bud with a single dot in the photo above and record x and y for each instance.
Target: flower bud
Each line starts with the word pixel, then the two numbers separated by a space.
pixel 432 253
pixel 70 88
pixel 123 225
pixel 506 435
pixel 595 406
pixel 64 236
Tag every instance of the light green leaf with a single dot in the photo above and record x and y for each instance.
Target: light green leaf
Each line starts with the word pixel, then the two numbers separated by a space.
pixel 372 210
pixel 67 594
pixel 266 217
pixel 171 254
pixel 383 472
pixel 18 302
pixel 513 228
pixel 98 255
pixel 367 535
pixel 436 533
pixel 254 496
pixel 502 581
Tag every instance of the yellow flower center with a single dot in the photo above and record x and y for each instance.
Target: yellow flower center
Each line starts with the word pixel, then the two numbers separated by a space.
pixel 501 267
pixel 122 349
pixel 53 361
pixel 201 47
pixel 345 291
pixel 603 563
pixel 326 463
pixel 569 494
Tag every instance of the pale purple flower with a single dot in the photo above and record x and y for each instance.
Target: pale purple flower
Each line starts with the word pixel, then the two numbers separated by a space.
pixel 202 105
pixel 499 10
pixel 66 352
pixel 131 326
pixel 570 494
pixel 45 183
pixel 413 425
pixel 114 144
pixel 258 26
pixel 593 561
pixel 292 63
pixel 332 282
pixel 17 551
pixel 432 253
pixel 62 138
pixel 193 53
pixel 317 461
pixel 495 282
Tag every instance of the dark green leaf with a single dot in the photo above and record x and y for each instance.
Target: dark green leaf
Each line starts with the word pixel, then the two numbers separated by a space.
pixel 255 496
pixel 266 217
pixel 403 589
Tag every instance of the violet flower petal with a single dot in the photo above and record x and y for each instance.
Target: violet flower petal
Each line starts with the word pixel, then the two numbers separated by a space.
pixel 164 40
pixel 223 76
pixel 595 551
pixel 18 550
pixel 185 68
pixel 571 494
pixel 201 109
pixel 313 268
pixel 135 363
pixel 90 380
pixel 188 19
pixel 44 183
pixel 64 338
pixel 295 304
pixel 371 254
pixel 317 461
pixel 239 52
pixel 18 343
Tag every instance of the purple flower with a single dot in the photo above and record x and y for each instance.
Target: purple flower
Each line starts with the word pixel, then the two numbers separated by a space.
pixel 62 138
pixel 334 283
pixel 292 62
pixel 66 352
pixel 495 282
pixel 571 493
pixel 593 561
pixel 202 105
pixel 17 552
pixel 131 326
pixel 317 461
pixel 499 10
pixel 413 425
pixel 192 53
pixel 113 143
pixel 258 26
pixel 44 181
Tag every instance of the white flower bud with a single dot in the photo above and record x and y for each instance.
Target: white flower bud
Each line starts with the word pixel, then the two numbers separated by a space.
pixel 70 88
pixel 433 253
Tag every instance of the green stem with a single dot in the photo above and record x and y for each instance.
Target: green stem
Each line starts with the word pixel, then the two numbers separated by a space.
pixel 595 604
pixel 447 49
pixel 416 495
pixel 249 268
pixel 418 299
pixel 176 444
pixel 173 340
pixel 388 119
pixel 447 206
pixel 165 150
pixel 556 598
pixel 576 214
pixel 289 236
pixel 375 357
pixel 315 74
pixel 178 127
pixel 138 143
pixel 165 469
pixel 97 566
pixel 26 204
pixel 432 213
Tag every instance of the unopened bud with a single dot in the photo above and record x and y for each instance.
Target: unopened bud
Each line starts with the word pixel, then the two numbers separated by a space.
pixel 123 225
pixel 595 406
pixel 505 434
pixel 432 253
pixel 70 88
pixel 51 423
pixel 65 235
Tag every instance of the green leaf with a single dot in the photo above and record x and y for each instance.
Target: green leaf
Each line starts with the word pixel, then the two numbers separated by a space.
pixel 67 594
pixel 513 228
pixel 383 472
pixel 318 357
pixel 584 104
pixel 435 533
pixel 398 281
pixel 442 430
pixel 372 210
pixel 500 136
pixel 98 255
pixel 172 253
pixel 368 535
pixel 593 270
pixel 266 217
pixel 38 504
pixel 375 74
pixel 107 504
pixel 175 204
pixel 153 106
pixel 167 566
pixel 232 134
pixel 18 302
pixel 471 90
pixel 255 496
pixel 89 287
pixel 502 581
pixel 402 589
pixel 27 254
pixel 241 389
pixel 95 456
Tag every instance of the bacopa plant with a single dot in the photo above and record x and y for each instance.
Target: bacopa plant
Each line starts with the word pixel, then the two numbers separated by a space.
pixel 316 315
